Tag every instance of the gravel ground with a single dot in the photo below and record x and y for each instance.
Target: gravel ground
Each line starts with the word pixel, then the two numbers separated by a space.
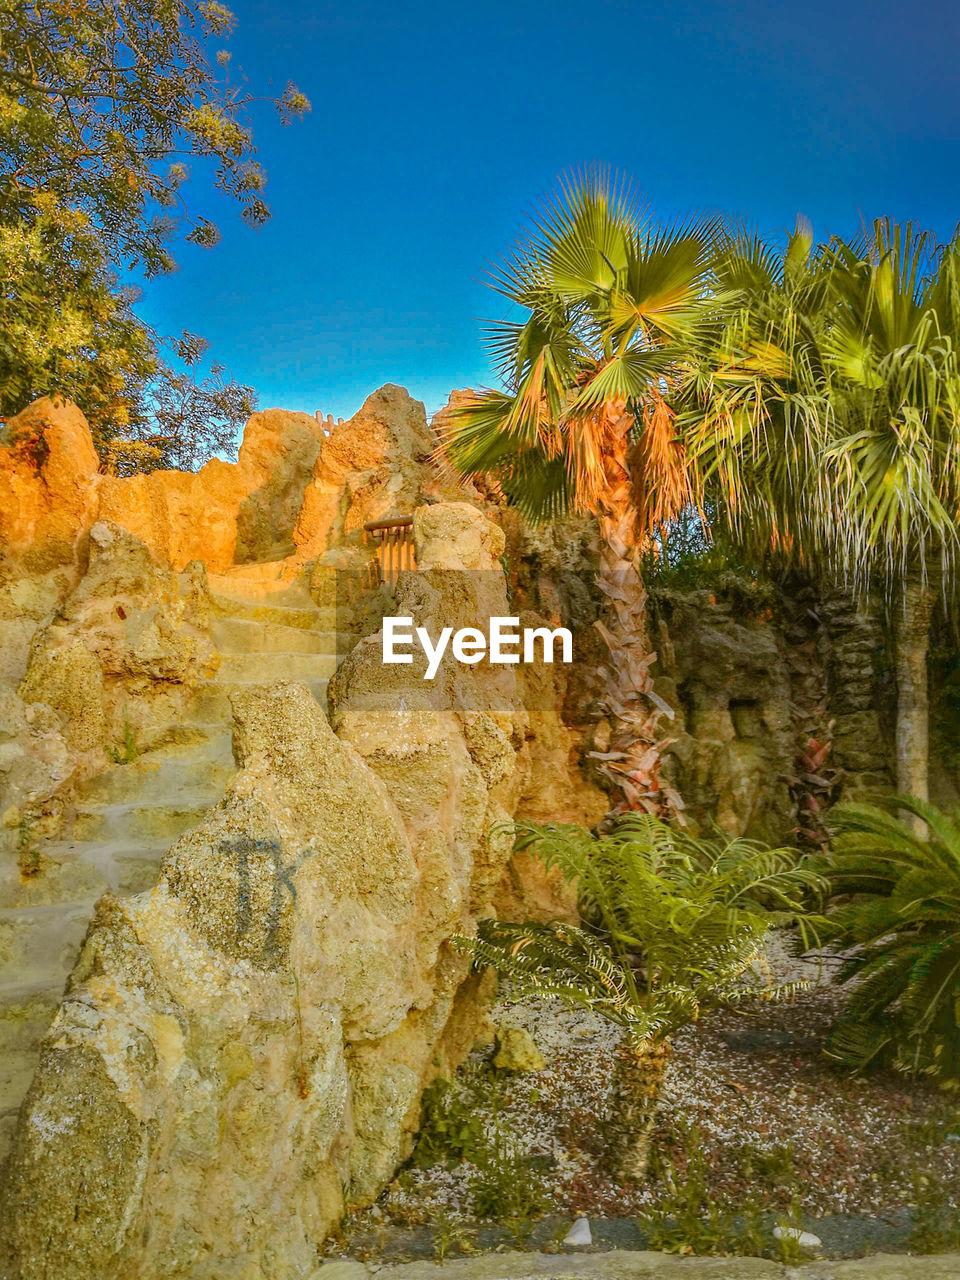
pixel 752 1113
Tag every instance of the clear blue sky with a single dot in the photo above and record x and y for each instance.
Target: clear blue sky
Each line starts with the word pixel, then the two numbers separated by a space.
pixel 436 126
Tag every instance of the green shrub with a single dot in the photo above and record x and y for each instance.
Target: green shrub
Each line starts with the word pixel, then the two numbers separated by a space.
pixel 672 926
pixel 689 1218
pixel 902 929
pixel 451 1129
pixel 936 1222
pixel 126 751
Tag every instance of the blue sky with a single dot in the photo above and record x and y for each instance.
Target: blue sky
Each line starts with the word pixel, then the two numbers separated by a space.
pixel 435 127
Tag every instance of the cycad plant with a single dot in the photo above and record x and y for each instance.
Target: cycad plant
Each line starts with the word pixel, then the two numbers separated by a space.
pixel 671 926
pixel 610 302
pixel 901 931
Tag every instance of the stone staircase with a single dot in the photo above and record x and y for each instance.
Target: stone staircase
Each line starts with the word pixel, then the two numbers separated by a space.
pixel 267 629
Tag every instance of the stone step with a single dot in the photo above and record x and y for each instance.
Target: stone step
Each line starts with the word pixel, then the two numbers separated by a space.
pixel 286 571
pixel 203 740
pixel 271 668
pixel 155 778
pixel 40 944
pixel 153 822
pixel 246 635
pixel 80 871
pixel 253 590
pixel 307 615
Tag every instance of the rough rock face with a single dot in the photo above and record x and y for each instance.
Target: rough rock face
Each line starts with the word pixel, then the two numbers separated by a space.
pixel 121 652
pixel 294 490
pixel 374 466
pixel 47 461
pixel 281 447
pixel 241 1051
pixel 727 678
pixel 851 638
pixel 198 1062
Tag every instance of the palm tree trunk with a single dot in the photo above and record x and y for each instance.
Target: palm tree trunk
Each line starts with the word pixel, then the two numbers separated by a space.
pixel 911 641
pixel 640 1073
pixel 631 759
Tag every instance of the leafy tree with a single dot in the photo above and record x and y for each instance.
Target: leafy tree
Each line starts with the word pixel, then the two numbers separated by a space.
pixel 900 927
pixel 64 325
pixel 179 418
pixel 101 105
pixel 611 301
pixel 827 412
pixel 671 927
pixel 101 108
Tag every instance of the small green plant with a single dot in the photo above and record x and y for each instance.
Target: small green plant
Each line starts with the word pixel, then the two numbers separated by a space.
pixel 689 1219
pixel 449 1233
pixel 451 1129
pixel 936 1221
pixel 126 751
pixel 28 855
pixel 900 923
pixel 505 1187
pixel 789 1248
pixel 671 927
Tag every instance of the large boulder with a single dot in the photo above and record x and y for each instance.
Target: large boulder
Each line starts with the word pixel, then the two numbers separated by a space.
pixel 376 465
pixel 199 1064
pixel 126 629
pixel 278 453
pixel 48 467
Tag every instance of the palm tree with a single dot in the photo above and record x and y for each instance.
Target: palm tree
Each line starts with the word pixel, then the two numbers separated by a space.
pixel 610 302
pixel 828 411
pixel 671 927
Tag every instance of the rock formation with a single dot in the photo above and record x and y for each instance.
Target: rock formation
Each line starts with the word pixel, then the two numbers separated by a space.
pixel 266 840
pixel 294 490
pixel 242 1044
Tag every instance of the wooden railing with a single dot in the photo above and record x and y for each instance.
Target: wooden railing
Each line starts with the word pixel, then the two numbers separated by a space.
pixel 394 543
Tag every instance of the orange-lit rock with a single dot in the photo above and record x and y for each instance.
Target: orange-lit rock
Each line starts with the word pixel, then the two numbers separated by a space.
pixel 373 466
pixel 48 470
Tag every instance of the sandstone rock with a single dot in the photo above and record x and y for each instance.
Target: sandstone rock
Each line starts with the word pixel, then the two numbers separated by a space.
pixel 126 630
pixel 180 516
pixel 280 449
pixel 454 535
pixel 47 469
pixel 257 1029
pixel 205 1023
pixel 517 1051
pixel 373 466
pixel 66 676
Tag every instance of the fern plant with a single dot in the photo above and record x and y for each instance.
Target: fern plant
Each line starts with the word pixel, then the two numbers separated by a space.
pixel 901 928
pixel 670 926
